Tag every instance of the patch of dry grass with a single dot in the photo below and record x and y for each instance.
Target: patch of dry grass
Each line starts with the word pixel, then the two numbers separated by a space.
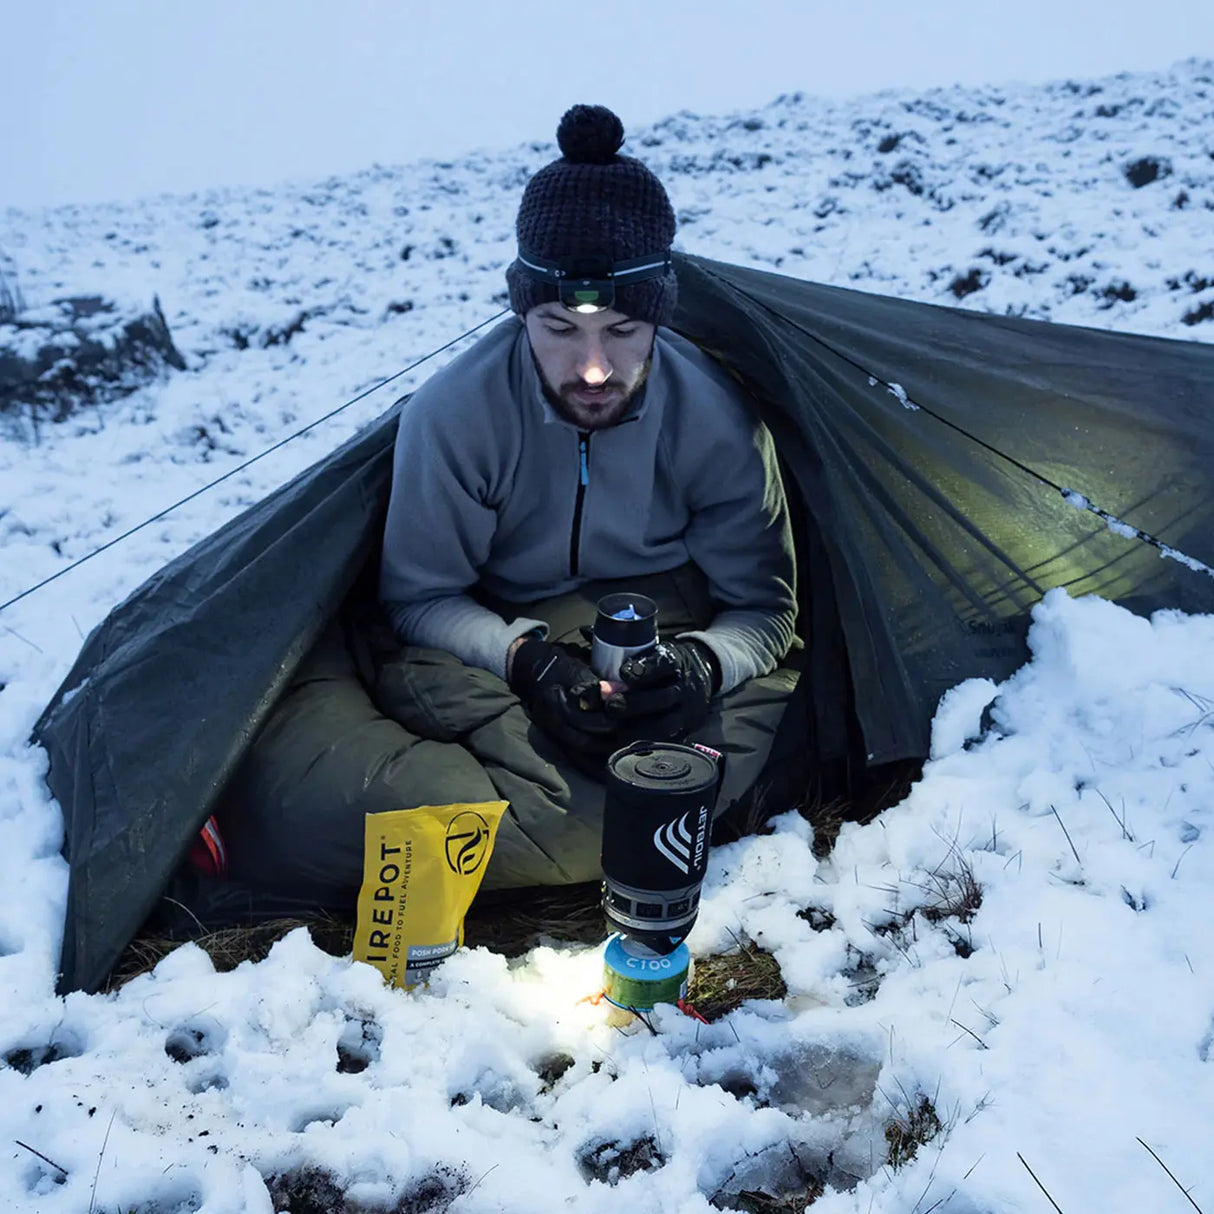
pixel 510 923
pixel 904 1135
pixel 229 946
pixel 953 892
pixel 868 793
pixel 721 983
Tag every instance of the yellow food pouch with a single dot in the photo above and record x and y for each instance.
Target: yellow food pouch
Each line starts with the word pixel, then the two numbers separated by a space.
pixel 421 870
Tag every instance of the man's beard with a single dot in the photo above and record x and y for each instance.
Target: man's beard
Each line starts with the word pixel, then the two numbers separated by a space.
pixel 588 415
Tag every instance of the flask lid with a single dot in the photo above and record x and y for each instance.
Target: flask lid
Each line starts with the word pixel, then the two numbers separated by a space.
pixel 663 765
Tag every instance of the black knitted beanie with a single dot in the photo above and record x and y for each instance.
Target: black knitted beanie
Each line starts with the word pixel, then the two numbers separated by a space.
pixel 593 202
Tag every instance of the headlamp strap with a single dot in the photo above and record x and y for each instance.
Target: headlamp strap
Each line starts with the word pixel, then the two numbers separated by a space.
pixel 602 269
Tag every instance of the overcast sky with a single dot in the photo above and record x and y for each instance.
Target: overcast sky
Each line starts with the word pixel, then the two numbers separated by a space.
pixel 114 99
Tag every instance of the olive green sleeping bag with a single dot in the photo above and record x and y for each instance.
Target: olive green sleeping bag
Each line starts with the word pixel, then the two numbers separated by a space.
pixel 414 726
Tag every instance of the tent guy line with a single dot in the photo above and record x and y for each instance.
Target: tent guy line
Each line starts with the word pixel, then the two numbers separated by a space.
pixel 1129 531
pixel 247 464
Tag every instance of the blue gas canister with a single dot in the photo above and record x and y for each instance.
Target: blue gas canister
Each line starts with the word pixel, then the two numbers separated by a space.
pixel 637 978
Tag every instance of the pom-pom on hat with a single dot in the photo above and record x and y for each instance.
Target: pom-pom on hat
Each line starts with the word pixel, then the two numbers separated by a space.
pixel 595 203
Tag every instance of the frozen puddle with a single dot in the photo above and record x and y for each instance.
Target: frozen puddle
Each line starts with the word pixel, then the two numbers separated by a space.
pixel 828 1093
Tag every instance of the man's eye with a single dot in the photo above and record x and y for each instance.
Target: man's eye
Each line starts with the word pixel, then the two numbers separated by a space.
pixel 621 332
pixel 564 331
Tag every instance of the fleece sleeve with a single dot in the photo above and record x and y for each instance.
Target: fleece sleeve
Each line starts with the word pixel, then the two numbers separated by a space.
pixel 437 535
pixel 740 536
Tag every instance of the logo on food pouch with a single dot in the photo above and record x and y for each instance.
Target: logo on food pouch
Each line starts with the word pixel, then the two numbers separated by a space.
pixel 467 843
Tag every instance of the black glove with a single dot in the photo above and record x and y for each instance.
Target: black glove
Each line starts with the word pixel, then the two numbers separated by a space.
pixel 564 699
pixel 668 689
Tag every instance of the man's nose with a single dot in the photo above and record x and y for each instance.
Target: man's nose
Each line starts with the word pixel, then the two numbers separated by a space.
pixel 595 368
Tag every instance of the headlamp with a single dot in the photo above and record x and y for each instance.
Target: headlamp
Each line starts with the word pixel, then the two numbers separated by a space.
pixel 588 284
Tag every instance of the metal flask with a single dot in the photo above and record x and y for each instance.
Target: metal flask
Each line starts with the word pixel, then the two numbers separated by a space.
pixel 657 822
pixel 625 624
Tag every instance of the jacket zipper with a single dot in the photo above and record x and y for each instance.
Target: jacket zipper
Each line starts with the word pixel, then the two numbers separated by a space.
pixel 583 451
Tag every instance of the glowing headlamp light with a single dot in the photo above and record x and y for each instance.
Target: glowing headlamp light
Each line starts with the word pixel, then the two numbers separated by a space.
pixel 588 284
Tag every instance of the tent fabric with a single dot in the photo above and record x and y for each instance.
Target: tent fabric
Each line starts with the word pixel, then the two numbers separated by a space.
pixel 928 446
pixel 924 450
pixel 171 687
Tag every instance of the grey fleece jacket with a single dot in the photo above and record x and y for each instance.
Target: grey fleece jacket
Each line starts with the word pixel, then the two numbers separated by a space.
pixel 492 487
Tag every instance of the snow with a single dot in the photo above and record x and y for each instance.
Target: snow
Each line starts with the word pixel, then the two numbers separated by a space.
pixel 1023 940
pixel 1190 561
pixel 898 392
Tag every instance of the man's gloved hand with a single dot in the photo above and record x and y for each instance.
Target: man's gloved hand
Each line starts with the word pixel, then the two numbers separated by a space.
pixel 668 689
pixel 565 699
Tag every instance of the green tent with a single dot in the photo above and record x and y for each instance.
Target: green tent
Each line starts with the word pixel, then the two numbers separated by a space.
pixel 945 468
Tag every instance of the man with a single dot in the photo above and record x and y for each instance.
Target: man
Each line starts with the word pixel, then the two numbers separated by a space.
pixel 583 447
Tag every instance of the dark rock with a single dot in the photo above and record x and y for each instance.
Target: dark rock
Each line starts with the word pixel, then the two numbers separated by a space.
pixel 1118 292
pixel 1146 169
pixel 907 173
pixel 1199 315
pixel 967 284
pixel 80 351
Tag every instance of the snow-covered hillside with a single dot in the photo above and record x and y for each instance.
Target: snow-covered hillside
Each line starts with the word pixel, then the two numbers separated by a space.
pixel 1063 1025
pixel 1050 202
